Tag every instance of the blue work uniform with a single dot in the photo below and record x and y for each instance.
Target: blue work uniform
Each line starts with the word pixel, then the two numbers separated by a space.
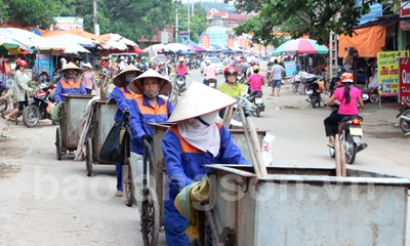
pixel 141 114
pixel 63 87
pixel 122 97
pixel 183 164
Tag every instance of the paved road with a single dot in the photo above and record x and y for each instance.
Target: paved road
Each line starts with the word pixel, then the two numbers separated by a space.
pixel 50 202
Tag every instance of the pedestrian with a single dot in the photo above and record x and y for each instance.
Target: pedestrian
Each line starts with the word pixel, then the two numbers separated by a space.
pixel 63 62
pixel 70 83
pixel 195 140
pixel 348 60
pixel 369 70
pixel 122 96
pixel 348 96
pixel 147 107
pixel 89 78
pixel 20 89
pixel 121 64
pixel 276 77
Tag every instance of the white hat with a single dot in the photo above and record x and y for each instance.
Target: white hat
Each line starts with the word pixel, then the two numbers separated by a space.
pixel 136 85
pixel 119 81
pixel 199 99
pixel 70 66
pixel 88 65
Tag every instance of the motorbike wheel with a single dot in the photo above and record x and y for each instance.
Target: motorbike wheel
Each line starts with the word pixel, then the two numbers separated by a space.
pixel 315 100
pixel 31 115
pixel 295 87
pixel 350 149
pixel 405 125
pixel 258 112
pixel 89 157
pixel 374 98
pixel 332 152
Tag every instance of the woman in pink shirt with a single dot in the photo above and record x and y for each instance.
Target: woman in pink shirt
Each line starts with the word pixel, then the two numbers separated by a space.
pixel 89 78
pixel 210 72
pixel 348 97
pixel 255 80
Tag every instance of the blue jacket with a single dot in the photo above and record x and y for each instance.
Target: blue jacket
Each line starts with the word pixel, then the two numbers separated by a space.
pixel 184 162
pixel 141 114
pixel 63 87
pixel 122 97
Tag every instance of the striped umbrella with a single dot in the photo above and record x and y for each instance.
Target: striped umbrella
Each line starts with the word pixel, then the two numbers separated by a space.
pixel 301 46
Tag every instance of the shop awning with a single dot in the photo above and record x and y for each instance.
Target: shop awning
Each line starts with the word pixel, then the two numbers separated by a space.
pixel 368 41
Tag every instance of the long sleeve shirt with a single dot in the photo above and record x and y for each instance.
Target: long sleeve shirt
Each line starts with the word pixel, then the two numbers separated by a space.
pixel 122 97
pixel 89 80
pixel 141 114
pixel 63 87
pixel 184 162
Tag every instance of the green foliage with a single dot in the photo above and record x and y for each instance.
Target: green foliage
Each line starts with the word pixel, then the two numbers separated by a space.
pixel 318 17
pixel 28 12
pixel 197 21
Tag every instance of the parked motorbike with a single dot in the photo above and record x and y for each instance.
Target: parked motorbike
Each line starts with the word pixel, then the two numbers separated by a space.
pixel 255 97
pixel 314 90
pixel 350 133
pixel 211 82
pixel 404 116
pixel 37 109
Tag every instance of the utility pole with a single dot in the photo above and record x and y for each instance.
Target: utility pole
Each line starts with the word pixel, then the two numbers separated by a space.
pixel 189 18
pixel 176 21
pixel 96 26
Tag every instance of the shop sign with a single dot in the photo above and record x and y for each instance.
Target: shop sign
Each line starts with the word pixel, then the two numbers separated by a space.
pixel 68 23
pixel 388 72
pixel 405 12
pixel 290 68
pixel 231 43
pixel 404 79
pixel 205 41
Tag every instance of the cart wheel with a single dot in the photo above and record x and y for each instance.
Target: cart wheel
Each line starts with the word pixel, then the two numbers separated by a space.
pixel 59 143
pixel 89 157
pixel 150 217
pixel 127 184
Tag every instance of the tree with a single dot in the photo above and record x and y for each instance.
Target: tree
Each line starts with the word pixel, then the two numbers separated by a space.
pixel 318 17
pixel 28 12
pixel 197 21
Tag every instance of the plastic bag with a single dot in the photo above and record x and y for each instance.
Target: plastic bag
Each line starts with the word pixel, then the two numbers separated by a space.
pixel 111 150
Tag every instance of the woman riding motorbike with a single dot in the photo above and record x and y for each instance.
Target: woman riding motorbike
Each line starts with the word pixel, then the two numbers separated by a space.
pixel 230 87
pixel 348 96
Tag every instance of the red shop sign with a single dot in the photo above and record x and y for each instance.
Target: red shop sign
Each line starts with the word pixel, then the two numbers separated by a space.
pixel 404 79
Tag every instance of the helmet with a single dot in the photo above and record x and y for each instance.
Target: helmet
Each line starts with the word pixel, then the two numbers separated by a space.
pixel 161 63
pixel 22 63
pixel 253 63
pixel 347 78
pixel 255 67
pixel 207 61
pixel 181 59
pixel 143 58
pixel 230 71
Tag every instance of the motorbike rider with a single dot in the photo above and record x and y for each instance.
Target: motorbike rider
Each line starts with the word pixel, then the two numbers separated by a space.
pixel 348 96
pixel 122 96
pixel 161 68
pixel 231 87
pixel 43 76
pixel 147 107
pixel 255 80
pixel 182 69
pixel 210 72
pixel 195 140
pixel 70 83
pixel 20 89
pixel 240 66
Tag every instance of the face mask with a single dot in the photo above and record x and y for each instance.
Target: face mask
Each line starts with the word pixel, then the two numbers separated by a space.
pixel 153 95
pixel 129 79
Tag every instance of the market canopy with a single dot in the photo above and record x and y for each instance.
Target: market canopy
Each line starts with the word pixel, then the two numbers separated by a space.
pixel 11 46
pixel 367 41
pixel 301 46
pixel 177 47
pixel 85 42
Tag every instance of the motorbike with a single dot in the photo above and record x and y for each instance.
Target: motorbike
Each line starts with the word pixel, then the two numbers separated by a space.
pixel 314 90
pixel 268 73
pixel 181 84
pixel 37 109
pixel 255 97
pixel 211 82
pixel 404 116
pixel 350 132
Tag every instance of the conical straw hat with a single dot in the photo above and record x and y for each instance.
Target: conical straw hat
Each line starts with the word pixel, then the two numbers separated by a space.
pixel 88 65
pixel 136 85
pixel 119 81
pixel 199 99
pixel 69 66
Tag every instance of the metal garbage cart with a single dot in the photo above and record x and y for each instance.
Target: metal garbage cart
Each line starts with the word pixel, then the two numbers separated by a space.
pixel 67 135
pixel 152 207
pixel 307 206
pixel 101 124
